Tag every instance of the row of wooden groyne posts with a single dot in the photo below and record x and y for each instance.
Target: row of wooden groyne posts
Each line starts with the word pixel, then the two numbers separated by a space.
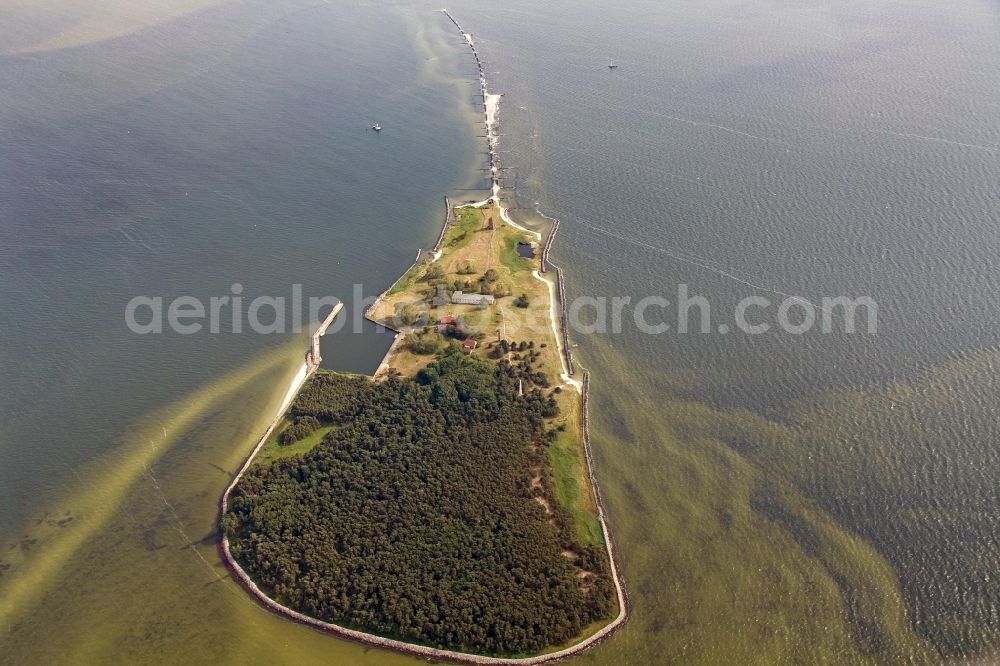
pixel 491 146
pixel 623 601
pixel 545 263
pixel 313 360
pixel 495 181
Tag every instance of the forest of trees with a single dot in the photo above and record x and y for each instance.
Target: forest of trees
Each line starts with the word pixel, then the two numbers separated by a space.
pixel 415 518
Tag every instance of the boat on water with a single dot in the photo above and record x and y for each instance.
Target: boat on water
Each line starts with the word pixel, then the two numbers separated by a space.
pixel 612 65
pixel 377 127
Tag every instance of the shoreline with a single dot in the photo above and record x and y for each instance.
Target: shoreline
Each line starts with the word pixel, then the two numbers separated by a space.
pixel 556 314
pixel 563 333
pixel 308 367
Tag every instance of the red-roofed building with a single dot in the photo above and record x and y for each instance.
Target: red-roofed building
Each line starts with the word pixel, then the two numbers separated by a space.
pixel 446 324
pixel 468 346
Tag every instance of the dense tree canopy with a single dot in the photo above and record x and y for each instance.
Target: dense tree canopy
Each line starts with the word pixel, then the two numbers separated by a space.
pixel 417 517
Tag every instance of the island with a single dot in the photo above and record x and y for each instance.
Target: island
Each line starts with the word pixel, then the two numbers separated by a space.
pixel 445 506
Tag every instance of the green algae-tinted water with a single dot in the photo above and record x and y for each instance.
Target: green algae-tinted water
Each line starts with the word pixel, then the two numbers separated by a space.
pixel 784 499
pixel 227 146
pixel 775 499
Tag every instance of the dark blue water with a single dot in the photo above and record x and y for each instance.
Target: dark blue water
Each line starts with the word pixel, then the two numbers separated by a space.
pixel 255 167
pixel 231 145
pixel 811 149
pixel 817 498
pixel 358 349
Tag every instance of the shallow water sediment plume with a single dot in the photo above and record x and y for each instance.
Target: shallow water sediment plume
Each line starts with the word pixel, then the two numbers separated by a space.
pixel 776 499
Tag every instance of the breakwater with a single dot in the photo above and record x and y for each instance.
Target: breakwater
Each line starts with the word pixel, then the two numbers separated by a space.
pixel 383 367
pixel 313 359
pixel 391 644
pixel 548 244
pixel 447 220
pixel 307 369
pixel 380 371
pixel 561 309
pixel 378 299
pixel 416 261
pixel 490 112
pixel 619 579
pixel 563 321
pixel 490 104
pixel 490 109
pixel 545 264
pixel 310 366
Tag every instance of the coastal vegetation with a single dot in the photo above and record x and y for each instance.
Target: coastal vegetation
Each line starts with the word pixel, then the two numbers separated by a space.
pixel 478 255
pixel 427 513
pixel 448 503
pixel 518 323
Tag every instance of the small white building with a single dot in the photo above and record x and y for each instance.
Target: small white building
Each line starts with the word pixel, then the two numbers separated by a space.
pixel 471 299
